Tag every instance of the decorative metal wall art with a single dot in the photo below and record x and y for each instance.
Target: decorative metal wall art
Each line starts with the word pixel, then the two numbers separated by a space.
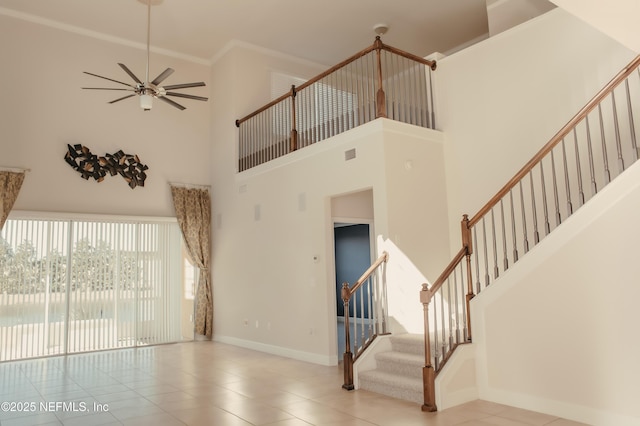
pixel 89 165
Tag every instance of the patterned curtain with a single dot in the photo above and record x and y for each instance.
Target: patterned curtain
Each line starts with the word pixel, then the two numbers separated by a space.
pixel 10 183
pixel 193 210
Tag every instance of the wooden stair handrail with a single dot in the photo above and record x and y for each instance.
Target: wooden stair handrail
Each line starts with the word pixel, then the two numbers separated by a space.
pixel 427 292
pixel 557 138
pixel 365 276
pixel 448 270
pixel 346 293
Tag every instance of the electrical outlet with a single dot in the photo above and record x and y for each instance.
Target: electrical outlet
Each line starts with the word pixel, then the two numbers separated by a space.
pixel 257 324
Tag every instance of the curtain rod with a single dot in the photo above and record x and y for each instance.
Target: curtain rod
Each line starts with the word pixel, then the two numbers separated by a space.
pixel 189 185
pixel 14 169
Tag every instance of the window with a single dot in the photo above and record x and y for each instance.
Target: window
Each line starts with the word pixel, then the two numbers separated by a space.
pixel 81 285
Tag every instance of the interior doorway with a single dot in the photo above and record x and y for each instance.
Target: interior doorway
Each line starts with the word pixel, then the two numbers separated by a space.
pixel 353 245
pixel 353 254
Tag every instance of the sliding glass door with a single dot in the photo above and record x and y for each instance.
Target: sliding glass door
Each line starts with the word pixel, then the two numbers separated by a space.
pixel 70 286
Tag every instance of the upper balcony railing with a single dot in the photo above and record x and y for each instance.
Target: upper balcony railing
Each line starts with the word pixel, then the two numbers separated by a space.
pixel 379 81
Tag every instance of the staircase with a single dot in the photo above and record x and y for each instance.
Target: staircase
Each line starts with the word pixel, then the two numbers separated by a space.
pixel 399 371
pixel 596 146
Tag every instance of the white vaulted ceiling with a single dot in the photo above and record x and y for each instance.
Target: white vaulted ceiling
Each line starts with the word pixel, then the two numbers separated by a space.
pixel 325 32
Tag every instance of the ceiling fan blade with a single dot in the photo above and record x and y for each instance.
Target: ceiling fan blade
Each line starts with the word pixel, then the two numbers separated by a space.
pixel 159 79
pixel 184 95
pixel 110 79
pixel 124 97
pixel 106 88
pixel 170 102
pixel 184 85
pixel 128 71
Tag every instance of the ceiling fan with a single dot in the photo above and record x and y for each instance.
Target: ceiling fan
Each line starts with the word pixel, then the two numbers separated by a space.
pixel 148 90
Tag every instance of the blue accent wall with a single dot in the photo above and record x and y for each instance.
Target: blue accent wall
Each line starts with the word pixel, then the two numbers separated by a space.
pixel 352 257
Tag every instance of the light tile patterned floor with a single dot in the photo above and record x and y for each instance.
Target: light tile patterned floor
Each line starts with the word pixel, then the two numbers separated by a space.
pixel 207 383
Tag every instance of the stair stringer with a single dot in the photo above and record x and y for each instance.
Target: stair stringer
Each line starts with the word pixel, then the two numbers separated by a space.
pixel 456 382
pixel 623 191
pixel 460 381
pixel 367 361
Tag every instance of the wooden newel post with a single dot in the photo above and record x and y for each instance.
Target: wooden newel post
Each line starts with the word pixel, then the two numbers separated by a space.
pixel 467 243
pixel 381 101
pixel 347 358
pixel 293 142
pixel 428 372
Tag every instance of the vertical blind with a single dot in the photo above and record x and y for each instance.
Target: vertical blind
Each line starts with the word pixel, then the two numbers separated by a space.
pixel 69 286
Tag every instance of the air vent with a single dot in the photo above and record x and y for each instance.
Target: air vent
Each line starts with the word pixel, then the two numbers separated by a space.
pixel 350 154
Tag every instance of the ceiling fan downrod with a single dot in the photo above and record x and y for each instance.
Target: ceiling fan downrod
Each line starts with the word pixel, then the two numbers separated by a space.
pixel 147 90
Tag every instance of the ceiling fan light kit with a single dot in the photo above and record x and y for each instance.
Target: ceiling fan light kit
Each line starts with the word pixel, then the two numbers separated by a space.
pixel 146 102
pixel 148 90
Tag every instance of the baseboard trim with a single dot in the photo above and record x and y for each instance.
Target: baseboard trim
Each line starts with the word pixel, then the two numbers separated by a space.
pixel 279 350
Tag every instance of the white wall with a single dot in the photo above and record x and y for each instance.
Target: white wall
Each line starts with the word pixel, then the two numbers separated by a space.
pixel 43 109
pixel 264 270
pixel 505 14
pixel 416 199
pixel 501 100
pixel 356 206
pixel 617 18
pixel 557 333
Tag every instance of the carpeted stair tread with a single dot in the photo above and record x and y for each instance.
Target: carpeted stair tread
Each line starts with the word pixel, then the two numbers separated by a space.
pixel 398 372
pixel 401 357
pixel 401 363
pixel 410 343
pixel 401 387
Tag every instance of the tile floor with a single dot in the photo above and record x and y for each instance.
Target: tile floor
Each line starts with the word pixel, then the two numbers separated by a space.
pixel 209 383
